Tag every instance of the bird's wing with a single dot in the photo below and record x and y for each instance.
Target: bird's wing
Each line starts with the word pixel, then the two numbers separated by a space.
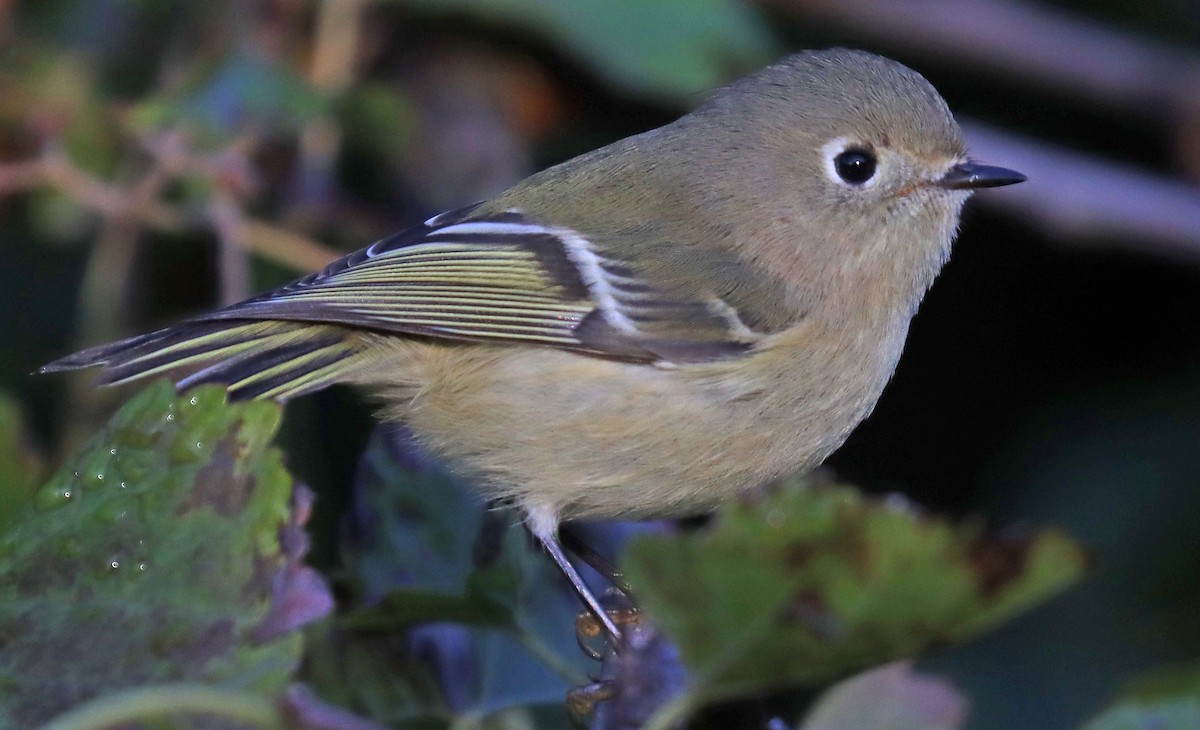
pixel 508 278
pixel 496 278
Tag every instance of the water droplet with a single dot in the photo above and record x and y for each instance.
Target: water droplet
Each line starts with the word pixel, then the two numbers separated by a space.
pixel 113 564
pixel 141 566
pixel 187 452
pixel 192 400
pixel 94 479
pixel 113 451
pixel 52 496
pixel 170 417
pixel 123 485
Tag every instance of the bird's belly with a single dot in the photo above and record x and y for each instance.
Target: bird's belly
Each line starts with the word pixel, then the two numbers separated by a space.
pixel 588 437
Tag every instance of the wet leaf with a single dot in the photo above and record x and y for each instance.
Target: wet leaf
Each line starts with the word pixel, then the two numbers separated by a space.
pixel 19 467
pixel 150 557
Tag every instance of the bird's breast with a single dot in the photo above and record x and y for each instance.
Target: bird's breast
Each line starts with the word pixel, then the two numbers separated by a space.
pixel 589 437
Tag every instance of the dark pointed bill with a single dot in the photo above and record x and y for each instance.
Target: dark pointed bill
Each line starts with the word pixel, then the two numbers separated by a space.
pixel 971 175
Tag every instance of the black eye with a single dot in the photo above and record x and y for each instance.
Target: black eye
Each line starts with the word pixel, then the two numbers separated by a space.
pixel 855 165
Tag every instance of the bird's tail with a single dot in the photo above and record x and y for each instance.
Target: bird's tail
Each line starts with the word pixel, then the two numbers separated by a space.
pixel 252 358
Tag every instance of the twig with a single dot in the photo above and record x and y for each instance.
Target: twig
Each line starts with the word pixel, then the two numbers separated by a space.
pixel 110 201
pixel 20 176
pixel 232 263
pixel 335 53
pixel 282 246
pixel 336 43
pixel 1073 194
pixel 1032 42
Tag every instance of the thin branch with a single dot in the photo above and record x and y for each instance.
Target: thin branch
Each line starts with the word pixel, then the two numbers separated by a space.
pixel 1034 42
pixel 286 247
pixel 18 177
pixel 335 54
pixel 1073 195
pixel 233 266
pixel 280 245
pixel 336 44
pixel 110 201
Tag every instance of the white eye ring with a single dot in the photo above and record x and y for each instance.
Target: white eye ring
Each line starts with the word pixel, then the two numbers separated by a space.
pixel 835 148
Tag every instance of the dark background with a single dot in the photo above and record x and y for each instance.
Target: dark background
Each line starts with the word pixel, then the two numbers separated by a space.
pixel 1052 375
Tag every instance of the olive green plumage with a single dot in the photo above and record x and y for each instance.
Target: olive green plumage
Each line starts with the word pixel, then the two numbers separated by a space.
pixel 646 329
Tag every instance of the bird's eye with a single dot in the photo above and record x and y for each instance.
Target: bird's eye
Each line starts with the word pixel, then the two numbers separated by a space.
pixel 855 165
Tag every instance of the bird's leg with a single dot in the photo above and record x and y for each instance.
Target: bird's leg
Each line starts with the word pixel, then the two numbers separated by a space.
pixel 578 547
pixel 543 525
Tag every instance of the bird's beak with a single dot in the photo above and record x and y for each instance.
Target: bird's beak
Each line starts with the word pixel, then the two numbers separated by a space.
pixel 971 175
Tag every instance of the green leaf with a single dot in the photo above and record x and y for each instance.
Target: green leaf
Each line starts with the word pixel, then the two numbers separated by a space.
pixel 815 581
pixel 669 49
pixel 1167 699
pixel 19 467
pixel 149 558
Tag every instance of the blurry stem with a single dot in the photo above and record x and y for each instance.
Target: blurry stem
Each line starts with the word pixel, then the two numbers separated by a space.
pixel 1078 197
pixel 1032 42
pixel 144 703
pixel 104 290
pixel 335 48
pixel 20 176
pixel 232 262
pixel 129 211
pixel 111 201
pixel 284 247
pixel 106 277
pixel 6 12
pixel 335 53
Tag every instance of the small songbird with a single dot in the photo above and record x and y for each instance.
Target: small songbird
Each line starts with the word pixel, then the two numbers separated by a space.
pixel 645 330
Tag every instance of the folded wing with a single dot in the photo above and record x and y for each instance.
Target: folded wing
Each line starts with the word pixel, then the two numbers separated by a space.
pixel 502 278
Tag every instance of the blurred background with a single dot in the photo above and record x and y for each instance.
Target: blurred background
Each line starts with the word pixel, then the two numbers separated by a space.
pixel 159 158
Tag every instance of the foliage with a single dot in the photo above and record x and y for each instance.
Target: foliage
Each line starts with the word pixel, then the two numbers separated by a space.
pixel 424 552
pixel 153 556
pixel 815 581
pixel 165 552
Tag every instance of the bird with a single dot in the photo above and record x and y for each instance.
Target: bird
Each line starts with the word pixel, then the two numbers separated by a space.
pixel 647 330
